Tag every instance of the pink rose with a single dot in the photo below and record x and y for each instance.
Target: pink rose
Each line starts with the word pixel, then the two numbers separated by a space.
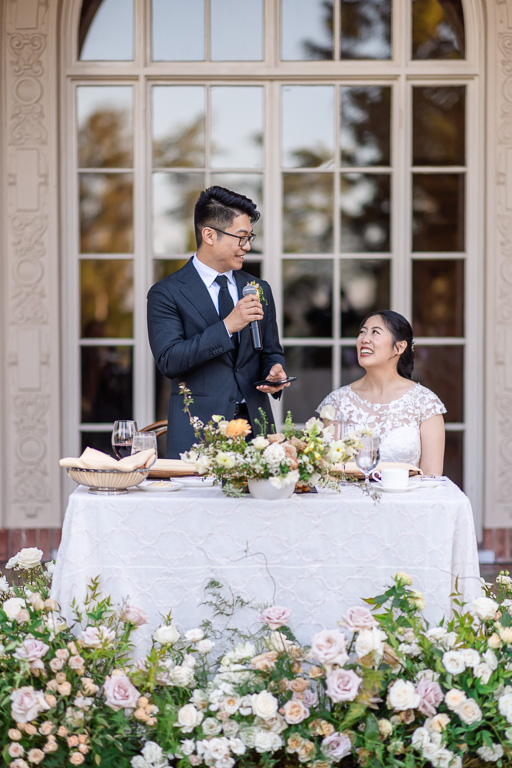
pixel 119 692
pixel 329 647
pixel 96 637
pixel 342 685
pixel 357 618
pixel 336 746
pixel 35 756
pixel 295 712
pixel 26 704
pixel 309 697
pixel 31 649
pixel 275 617
pixel 135 616
pixel 431 696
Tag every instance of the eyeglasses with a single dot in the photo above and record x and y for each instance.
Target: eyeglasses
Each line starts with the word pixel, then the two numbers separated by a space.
pixel 242 240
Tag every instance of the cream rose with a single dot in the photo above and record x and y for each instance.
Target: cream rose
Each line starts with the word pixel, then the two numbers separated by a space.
pixel 505 706
pixel 439 722
pixel 167 634
pixel 188 718
pixel 484 608
pixel 264 705
pixel 469 712
pixel 12 607
pixel 453 662
pixel 194 635
pixel 370 641
pixel 454 699
pixel 402 695
pixel 295 712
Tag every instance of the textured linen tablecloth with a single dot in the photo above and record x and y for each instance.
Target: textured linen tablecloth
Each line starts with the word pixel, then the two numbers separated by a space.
pixel 317 554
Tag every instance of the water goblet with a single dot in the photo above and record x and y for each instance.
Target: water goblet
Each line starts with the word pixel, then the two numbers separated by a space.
pixel 122 436
pixel 144 440
pixel 367 457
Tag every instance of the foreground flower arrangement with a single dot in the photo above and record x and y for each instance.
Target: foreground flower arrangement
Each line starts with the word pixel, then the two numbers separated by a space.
pixel 378 688
pixel 307 456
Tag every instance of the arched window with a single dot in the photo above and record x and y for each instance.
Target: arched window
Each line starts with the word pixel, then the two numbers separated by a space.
pixel 347 122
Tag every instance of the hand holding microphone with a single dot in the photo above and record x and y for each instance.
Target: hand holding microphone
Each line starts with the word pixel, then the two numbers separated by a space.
pixel 251 290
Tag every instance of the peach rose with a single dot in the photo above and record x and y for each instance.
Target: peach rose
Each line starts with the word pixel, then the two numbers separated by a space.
pixel 238 428
pixel 265 661
pixel 76 758
pixel 35 756
pixel 277 437
pixel 295 712
pixel 299 684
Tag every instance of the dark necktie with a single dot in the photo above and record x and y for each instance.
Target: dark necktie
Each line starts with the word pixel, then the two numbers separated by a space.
pixel 225 302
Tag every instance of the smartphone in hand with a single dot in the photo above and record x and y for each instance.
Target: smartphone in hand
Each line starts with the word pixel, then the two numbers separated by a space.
pixel 277 383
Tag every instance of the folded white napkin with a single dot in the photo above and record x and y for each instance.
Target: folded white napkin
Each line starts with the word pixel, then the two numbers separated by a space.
pixel 93 459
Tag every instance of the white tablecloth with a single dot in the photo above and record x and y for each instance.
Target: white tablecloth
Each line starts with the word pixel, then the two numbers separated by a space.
pixel 317 554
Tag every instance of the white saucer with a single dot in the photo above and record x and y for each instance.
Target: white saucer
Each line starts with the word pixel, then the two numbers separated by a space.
pixel 414 483
pixel 160 485
pixel 194 482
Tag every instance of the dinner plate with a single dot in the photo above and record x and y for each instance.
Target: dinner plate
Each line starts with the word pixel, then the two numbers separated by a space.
pixel 160 485
pixel 195 482
pixel 414 483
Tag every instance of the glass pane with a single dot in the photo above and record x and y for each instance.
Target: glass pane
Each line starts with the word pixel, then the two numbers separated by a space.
pixel 438 212
pixel 178 126
pixel 454 457
pixel 174 198
pixel 441 370
pixel 438 297
pixel 231 40
pixel 106 213
pixel 177 30
pixel 106 298
pixel 438 29
pixel 106 31
pixel 308 126
pixel 365 29
pixel 365 212
pixel 438 125
pixel 365 125
pixel 250 185
pixel 350 369
pixel 237 127
pixel 307 286
pixel 105 126
pixel 313 368
pixel 306 29
pixel 308 208
pixel 101 441
pixel 164 267
pixel 365 287
pixel 107 387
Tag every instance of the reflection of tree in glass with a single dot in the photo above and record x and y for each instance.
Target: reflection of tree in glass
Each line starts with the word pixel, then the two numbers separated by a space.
pixel 313 50
pixel 439 125
pixel 107 389
pixel 106 298
pixel 183 148
pixel 184 189
pixel 307 311
pixel 365 29
pixel 438 29
pixel 106 213
pixel 307 212
pixel 365 212
pixel 104 140
pixel 365 125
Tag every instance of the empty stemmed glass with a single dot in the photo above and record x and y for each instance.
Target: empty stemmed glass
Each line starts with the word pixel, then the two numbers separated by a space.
pixel 144 440
pixel 367 457
pixel 122 436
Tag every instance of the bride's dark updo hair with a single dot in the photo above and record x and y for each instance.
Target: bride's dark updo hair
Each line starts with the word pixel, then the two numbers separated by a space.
pixel 401 330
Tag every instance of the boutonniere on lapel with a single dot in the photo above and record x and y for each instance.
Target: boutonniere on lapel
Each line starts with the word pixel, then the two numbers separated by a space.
pixel 259 290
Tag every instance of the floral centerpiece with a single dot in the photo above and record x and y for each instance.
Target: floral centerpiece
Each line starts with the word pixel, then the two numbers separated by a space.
pixel 306 456
pixel 379 688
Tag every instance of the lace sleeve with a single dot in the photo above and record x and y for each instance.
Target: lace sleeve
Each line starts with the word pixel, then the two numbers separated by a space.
pixel 334 398
pixel 429 404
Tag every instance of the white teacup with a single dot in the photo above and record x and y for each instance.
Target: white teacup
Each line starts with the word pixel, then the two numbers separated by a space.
pixel 392 478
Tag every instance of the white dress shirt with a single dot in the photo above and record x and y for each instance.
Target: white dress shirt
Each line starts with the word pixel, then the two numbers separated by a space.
pixel 208 276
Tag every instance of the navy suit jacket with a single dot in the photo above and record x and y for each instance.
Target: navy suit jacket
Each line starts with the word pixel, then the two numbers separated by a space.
pixel 190 344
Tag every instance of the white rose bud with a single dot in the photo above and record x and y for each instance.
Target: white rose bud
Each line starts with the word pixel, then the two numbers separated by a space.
pixel 167 634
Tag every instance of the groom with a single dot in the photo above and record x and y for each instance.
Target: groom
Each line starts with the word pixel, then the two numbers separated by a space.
pixel 198 323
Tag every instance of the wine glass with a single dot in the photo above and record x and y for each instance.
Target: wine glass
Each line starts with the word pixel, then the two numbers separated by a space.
pixel 367 457
pixel 144 440
pixel 122 436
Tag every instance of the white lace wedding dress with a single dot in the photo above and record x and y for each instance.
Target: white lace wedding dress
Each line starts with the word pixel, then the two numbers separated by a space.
pixel 397 424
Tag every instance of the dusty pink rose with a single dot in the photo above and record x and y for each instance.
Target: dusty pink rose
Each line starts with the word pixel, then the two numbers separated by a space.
pixel 35 756
pixel 76 662
pixel 119 692
pixel 295 711
pixel 357 618
pixel 431 696
pixel 275 617
pixel 135 616
pixel 309 697
pixel 16 750
pixel 336 746
pixel 26 704
pixel 96 637
pixel 342 685
pixel 329 647
pixel 31 649
pixel 56 665
pixel 76 758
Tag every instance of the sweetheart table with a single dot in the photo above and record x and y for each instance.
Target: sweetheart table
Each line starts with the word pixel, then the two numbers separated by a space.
pixel 317 554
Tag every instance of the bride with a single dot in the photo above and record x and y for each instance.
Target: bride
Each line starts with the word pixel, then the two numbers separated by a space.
pixel 406 416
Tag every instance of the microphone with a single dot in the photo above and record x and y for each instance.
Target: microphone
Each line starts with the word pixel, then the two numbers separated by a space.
pixel 251 290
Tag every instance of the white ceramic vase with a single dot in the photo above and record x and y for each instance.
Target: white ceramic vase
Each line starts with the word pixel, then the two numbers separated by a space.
pixel 263 489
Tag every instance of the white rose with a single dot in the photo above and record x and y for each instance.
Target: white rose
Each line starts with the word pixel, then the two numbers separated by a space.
pixel 153 753
pixel 188 718
pixel 194 635
pixel 284 480
pixel 505 633
pixel 490 754
pixel 13 606
pixel 469 712
pixel 503 579
pixel 167 634
pixel 444 758
pixel 328 412
pixel 483 672
pixel 439 722
pixel 484 608
pixel 453 662
pixel 402 695
pixel 420 739
pixel 471 657
pixel 211 726
pixel 267 741
pixel 29 557
pixel 505 706
pixel 260 442
pixel 369 641
pixel 494 641
pixel 491 659
pixel 236 745
pixel 454 699
pixel 187 747
pixel 205 646
pixel 182 676
pixel 264 705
